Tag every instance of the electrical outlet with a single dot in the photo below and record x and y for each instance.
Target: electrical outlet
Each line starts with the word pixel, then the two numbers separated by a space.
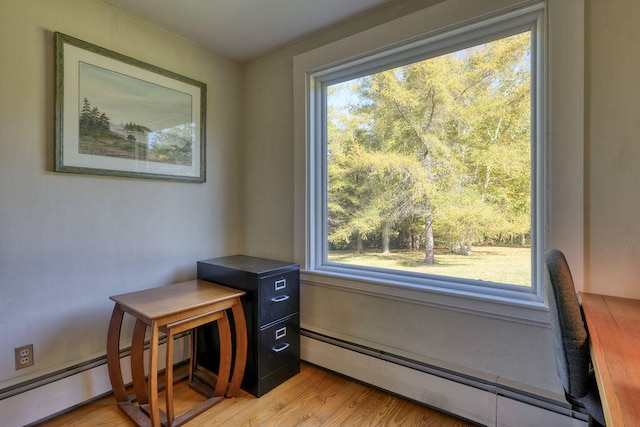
pixel 24 356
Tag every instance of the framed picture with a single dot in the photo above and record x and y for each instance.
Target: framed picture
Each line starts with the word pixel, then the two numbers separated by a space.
pixel 119 116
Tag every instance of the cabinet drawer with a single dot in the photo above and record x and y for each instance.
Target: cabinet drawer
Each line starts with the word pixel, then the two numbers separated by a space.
pixel 279 345
pixel 279 296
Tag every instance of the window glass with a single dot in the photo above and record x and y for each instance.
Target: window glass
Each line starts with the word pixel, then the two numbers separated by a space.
pixel 428 166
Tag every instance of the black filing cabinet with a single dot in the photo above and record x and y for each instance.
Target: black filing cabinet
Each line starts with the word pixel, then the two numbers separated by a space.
pixel 271 306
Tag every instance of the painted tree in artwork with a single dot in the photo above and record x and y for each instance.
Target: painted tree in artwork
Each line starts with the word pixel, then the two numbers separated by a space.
pixel 93 121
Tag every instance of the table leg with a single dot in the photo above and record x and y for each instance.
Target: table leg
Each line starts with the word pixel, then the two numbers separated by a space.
pixel 226 354
pixel 137 362
pixel 240 350
pixel 113 355
pixel 193 352
pixel 154 412
pixel 169 378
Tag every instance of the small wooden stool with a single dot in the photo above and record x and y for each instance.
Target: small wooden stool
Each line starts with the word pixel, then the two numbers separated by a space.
pixel 174 309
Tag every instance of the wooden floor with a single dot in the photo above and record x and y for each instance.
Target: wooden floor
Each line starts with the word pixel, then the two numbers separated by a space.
pixel 314 397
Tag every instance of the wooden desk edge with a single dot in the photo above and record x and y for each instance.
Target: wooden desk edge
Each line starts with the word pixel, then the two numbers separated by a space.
pixel 613 413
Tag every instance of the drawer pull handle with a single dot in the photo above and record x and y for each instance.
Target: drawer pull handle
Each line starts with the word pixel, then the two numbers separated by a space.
pixel 281 284
pixel 279 348
pixel 280 298
pixel 282 332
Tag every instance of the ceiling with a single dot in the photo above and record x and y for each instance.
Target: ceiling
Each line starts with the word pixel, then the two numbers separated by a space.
pixel 244 29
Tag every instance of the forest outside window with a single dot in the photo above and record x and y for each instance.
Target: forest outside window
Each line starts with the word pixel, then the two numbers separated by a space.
pixel 429 165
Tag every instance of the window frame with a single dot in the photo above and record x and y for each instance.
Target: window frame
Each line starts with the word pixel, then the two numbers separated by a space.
pixel 524 304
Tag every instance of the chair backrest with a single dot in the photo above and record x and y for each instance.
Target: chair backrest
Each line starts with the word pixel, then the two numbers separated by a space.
pixel 570 339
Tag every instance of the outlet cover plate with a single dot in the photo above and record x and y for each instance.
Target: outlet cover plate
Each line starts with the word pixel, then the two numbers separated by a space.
pixel 24 356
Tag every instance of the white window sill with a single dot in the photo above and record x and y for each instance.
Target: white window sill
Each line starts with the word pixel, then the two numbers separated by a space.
pixel 505 305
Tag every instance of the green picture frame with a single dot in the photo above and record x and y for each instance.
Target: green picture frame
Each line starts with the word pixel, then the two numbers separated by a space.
pixel 118 116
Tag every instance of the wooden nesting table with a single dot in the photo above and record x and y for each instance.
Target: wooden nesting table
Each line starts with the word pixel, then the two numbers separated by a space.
pixel 174 309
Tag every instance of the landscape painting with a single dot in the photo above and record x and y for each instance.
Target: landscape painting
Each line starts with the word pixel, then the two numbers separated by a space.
pixel 119 116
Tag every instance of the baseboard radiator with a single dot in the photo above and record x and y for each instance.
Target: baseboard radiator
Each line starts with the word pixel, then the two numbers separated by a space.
pixel 475 399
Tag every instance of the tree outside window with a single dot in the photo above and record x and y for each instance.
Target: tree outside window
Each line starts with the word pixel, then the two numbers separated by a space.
pixel 429 165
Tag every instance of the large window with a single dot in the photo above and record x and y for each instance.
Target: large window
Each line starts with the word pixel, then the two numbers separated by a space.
pixel 427 160
pixel 428 165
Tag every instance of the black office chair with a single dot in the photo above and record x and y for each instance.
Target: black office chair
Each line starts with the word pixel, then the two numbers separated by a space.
pixel 570 340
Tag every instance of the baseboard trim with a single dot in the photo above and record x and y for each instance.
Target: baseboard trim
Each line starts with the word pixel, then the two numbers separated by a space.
pixel 462 386
pixel 52 377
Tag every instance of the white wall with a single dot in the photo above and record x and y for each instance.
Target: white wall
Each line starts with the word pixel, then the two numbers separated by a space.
pixel 612 148
pixel 67 241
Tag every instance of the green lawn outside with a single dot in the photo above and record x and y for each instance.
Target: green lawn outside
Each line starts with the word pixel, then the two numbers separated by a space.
pixel 510 265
